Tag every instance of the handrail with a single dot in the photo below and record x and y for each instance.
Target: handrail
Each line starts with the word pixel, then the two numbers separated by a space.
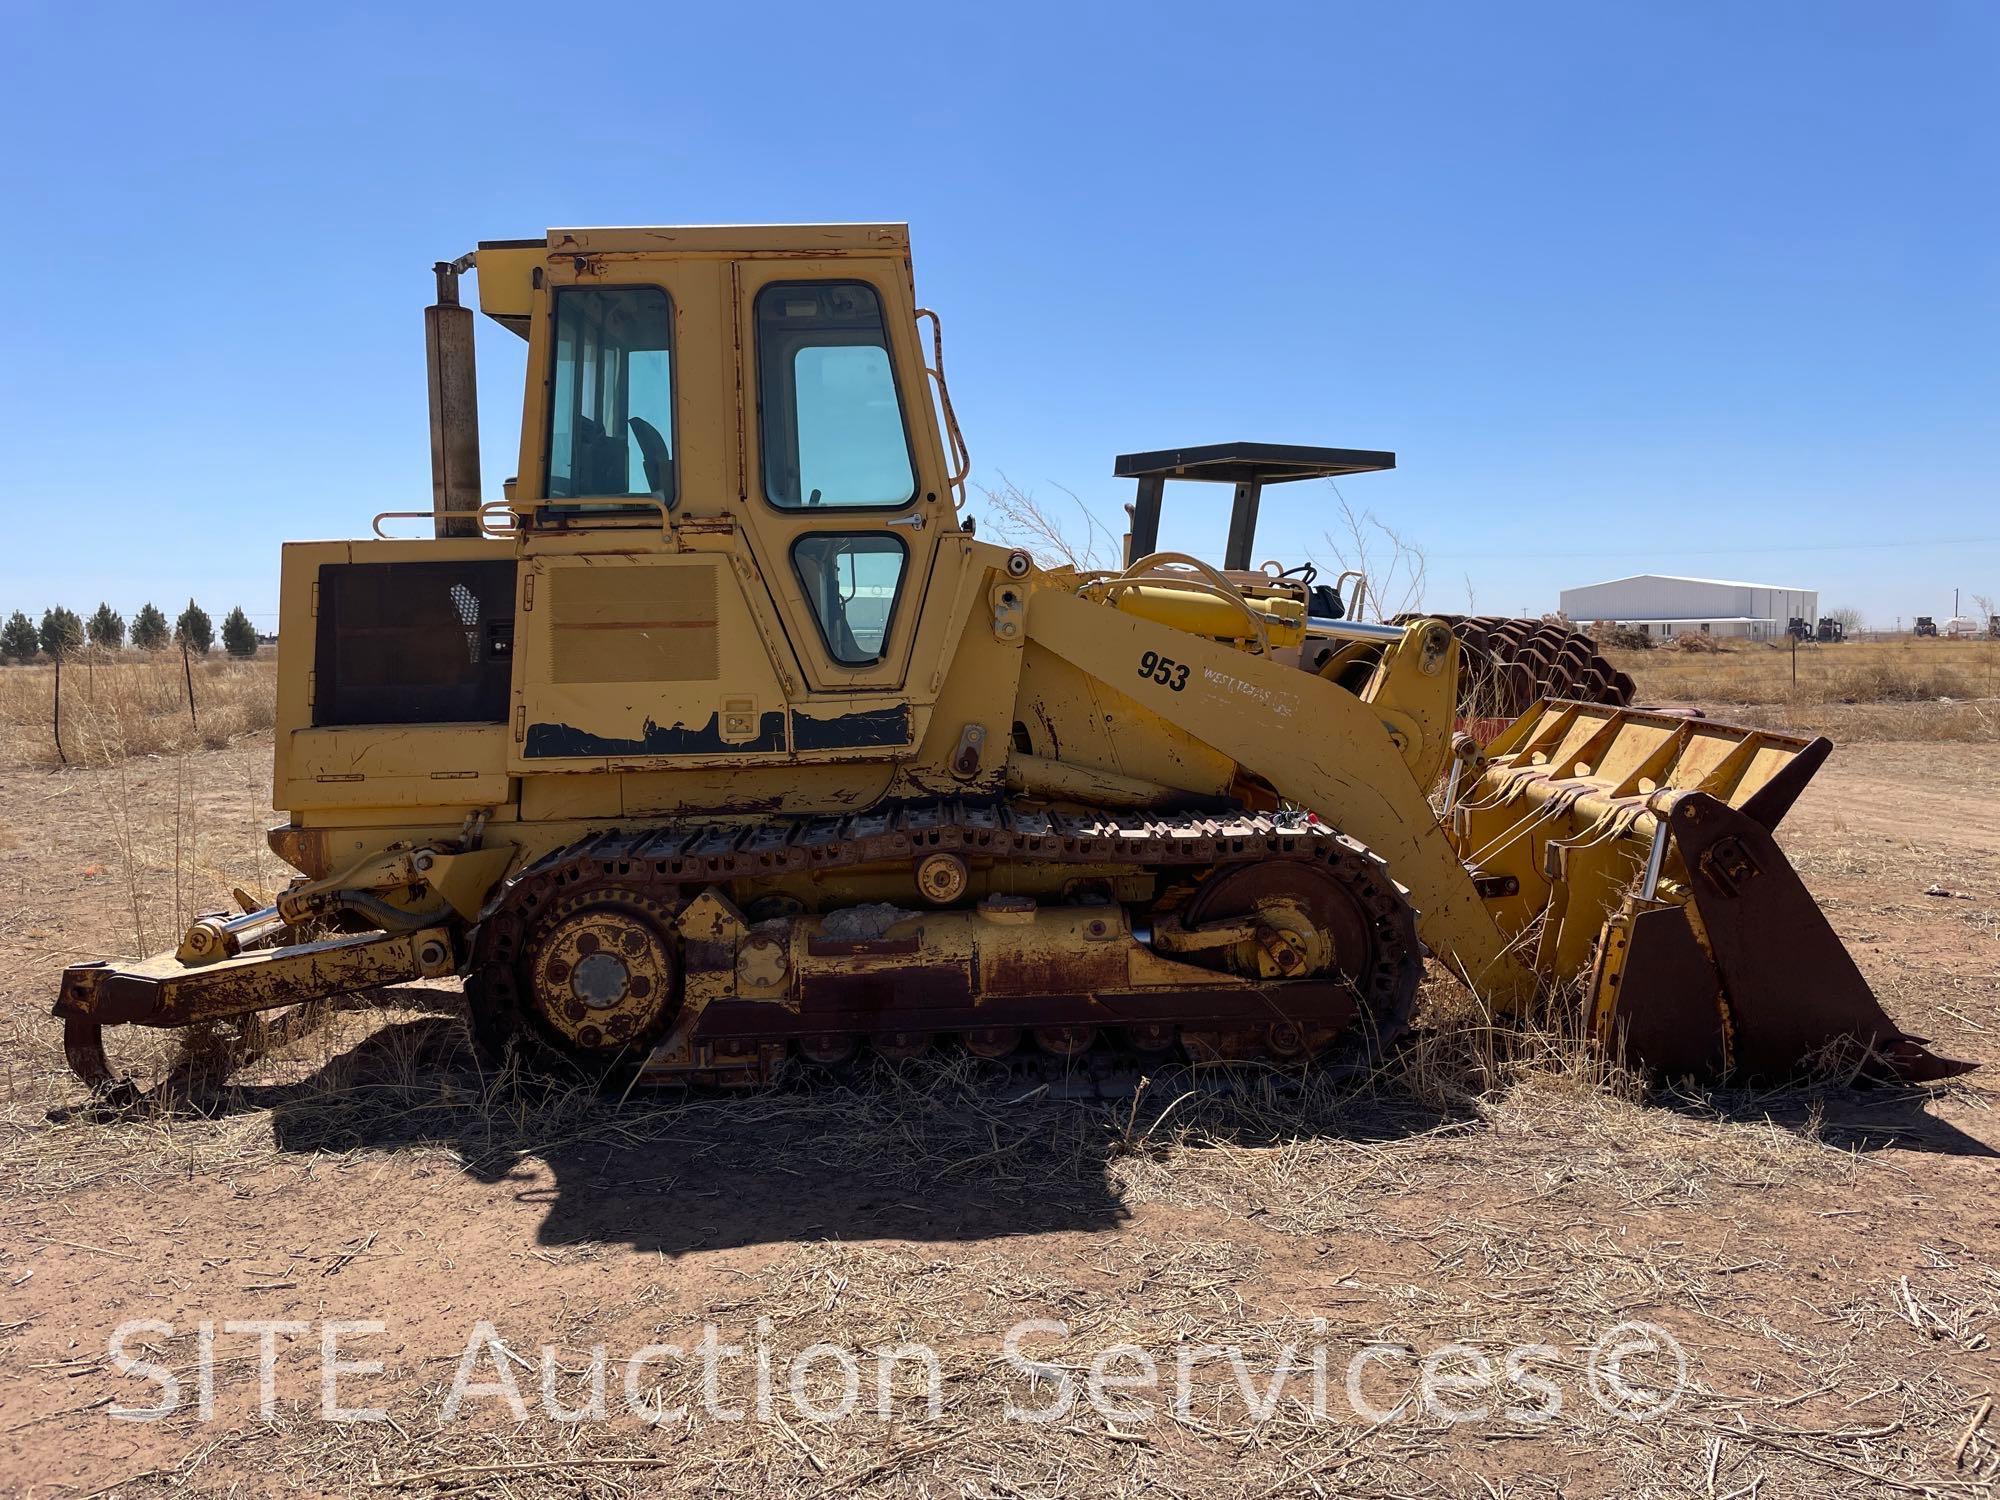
pixel 961 456
pixel 1360 592
pixel 609 504
pixel 487 527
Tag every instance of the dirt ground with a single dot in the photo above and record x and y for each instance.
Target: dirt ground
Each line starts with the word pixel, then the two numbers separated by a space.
pixel 1827 1261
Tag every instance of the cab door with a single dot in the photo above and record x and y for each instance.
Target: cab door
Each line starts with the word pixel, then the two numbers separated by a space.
pixel 845 491
pixel 633 651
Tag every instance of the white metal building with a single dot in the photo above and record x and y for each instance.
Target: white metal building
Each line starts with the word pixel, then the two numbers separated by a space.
pixel 1664 605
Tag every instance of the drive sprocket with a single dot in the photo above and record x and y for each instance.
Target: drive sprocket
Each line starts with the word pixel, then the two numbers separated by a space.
pixel 590 976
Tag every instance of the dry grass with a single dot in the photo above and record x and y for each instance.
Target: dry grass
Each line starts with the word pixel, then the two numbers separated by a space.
pixel 1015 516
pixel 1492 1184
pixel 1535 1207
pixel 1905 690
pixel 122 704
pixel 1856 672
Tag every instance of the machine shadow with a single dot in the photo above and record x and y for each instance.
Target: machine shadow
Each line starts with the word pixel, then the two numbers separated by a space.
pixel 921 1154
pixel 1864 1119
pixel 936 1153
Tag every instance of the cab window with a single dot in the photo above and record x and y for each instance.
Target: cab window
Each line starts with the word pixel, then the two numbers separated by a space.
pixel 831 422
pixel 611 422
pixel 852 582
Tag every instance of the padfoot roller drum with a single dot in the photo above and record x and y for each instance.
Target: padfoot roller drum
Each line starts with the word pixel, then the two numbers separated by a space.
pixel 1512 664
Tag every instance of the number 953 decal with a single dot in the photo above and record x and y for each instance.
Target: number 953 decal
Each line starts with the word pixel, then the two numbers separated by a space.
pixel 1163 670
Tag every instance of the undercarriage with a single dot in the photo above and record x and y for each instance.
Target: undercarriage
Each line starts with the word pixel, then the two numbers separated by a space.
pixel 717 953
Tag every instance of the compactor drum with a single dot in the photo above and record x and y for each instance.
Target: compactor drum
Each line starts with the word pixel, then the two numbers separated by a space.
pixel 722 744
pixel 1510 665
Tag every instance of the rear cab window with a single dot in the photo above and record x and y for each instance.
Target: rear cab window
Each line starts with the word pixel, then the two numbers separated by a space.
pixel 611 408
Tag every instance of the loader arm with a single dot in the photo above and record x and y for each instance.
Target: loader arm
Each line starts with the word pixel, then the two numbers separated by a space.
pixel 1317 745
pixel 1626 853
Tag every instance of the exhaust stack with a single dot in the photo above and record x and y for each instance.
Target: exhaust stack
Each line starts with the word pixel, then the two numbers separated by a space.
pixel 454 405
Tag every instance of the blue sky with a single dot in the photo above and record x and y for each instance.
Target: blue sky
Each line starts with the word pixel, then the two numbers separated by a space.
pixel 1687 287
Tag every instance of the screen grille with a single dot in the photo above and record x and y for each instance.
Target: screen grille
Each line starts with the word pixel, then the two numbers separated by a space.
pixel 413 643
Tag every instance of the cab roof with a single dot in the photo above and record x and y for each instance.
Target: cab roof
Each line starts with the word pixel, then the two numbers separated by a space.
pixel 506 267
pixel 747 238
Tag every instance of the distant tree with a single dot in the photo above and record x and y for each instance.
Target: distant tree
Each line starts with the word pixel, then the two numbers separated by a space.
pixel 238 634
pixel 19 639
pixel 149 628
pixel 107 628
pixel 61 632
pixel 1847 618
pixel 194 629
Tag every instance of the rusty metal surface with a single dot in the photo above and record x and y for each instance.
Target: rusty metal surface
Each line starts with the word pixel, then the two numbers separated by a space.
pixel 162 991
pixel 604 970
pixel 454 405
pixel 1793 990
pixel 982 975
pixel 1666 1012
pixel 306 850
pixel 83 1045
pixel 1068 969
pixel 942 878
pixel 1511 663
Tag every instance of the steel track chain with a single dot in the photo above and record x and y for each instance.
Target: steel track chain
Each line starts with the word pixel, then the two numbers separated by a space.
pixel 679 860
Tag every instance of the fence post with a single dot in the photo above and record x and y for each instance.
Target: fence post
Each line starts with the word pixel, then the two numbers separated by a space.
pixel 55 716
pixel 187 668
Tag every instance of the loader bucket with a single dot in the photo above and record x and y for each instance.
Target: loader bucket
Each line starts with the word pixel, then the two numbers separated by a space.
pixel 1632 852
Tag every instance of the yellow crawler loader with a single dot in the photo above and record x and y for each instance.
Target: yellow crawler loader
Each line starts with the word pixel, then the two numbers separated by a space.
pixel 722 744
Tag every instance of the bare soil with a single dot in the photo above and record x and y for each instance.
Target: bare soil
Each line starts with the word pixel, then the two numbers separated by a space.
pixel 1827 1259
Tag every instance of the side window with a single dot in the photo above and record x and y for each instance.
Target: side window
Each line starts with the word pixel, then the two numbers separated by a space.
pixel 831 421
pixel 852 581
pixel 611 409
